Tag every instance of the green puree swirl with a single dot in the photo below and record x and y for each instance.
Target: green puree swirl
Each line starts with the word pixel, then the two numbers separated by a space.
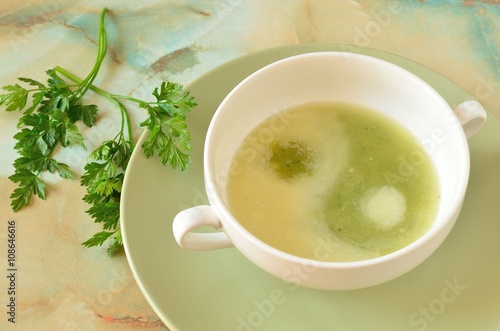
pixel 383 157
pixel 290 158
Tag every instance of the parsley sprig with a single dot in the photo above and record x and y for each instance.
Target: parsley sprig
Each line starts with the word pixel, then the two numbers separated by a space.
pixel 51 113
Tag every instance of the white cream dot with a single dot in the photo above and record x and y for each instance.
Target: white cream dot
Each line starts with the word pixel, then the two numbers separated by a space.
pixel 384 206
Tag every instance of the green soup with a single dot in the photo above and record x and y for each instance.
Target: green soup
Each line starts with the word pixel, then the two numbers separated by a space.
pixel 333 182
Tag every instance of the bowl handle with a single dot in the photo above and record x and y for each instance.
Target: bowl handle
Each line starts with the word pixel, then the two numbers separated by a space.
pixel 195 217
pixel 471 116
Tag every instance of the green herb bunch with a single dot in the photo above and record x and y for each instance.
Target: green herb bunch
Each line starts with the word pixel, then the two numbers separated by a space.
pixel 51 112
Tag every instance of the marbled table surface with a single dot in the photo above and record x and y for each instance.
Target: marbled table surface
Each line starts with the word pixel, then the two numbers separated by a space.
pixel 61 285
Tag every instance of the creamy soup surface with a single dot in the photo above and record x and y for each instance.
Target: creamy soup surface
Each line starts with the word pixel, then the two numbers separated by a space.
pixel 333 182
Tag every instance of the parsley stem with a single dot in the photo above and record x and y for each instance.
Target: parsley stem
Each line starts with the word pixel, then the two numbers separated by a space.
pixel 129 98
pixel 101 54
pixel 86 84
pixel 111 97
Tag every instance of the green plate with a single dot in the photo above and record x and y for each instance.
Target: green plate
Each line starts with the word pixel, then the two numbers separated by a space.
pixel 457 288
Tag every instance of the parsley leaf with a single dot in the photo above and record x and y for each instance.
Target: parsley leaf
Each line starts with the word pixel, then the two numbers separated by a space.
pixel 168 137
pixel 29 184
pixel 16 99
